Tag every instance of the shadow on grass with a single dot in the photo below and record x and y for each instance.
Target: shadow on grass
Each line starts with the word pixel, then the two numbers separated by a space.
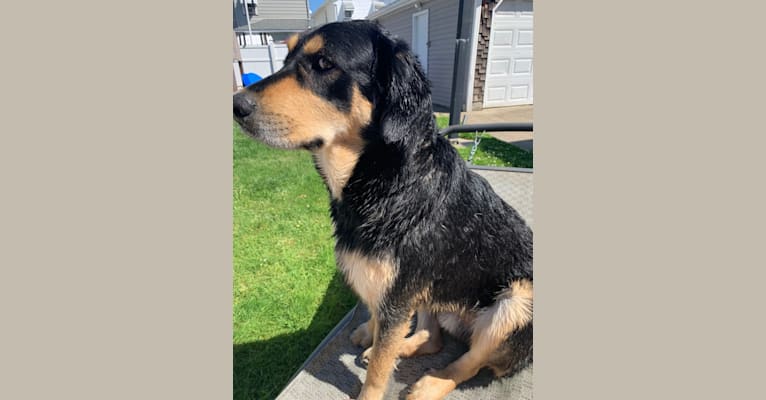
pixel 263 368
pixel 525 145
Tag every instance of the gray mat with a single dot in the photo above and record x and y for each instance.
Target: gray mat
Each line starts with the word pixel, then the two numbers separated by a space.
pixel 513 187
pixel 335 369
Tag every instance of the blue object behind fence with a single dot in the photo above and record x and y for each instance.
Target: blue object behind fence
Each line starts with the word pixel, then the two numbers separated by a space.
pixel 250 78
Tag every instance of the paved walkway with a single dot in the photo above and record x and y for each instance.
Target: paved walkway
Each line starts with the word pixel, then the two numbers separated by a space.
pixel 505 114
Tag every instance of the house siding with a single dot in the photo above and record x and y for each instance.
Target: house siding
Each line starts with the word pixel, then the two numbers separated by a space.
pixel 239 17
pixel 482 53
pixel 333 10
pixel 362 8
pixel 442 30
pixel 282 9
pixel 399 24
pixel 271 9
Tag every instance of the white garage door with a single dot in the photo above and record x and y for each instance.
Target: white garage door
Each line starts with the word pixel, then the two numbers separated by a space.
pixel 509 63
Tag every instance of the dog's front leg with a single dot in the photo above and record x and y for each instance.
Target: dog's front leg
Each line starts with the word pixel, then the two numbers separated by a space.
pixel 363 334
pixel 389 332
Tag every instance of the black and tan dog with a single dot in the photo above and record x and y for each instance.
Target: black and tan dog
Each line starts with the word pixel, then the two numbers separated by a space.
pixel 416 231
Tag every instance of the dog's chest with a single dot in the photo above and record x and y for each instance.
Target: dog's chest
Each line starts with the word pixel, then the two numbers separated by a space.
pixel 336 162
pixel 369 277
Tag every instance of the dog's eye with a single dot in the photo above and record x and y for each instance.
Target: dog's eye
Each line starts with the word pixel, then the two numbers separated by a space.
pixel 323 64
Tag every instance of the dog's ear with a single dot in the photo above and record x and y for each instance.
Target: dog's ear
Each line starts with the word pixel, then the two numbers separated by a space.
pixel 403 93
pixel 292 41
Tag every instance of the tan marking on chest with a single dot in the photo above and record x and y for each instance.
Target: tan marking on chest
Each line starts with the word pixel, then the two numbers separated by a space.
pixel 336 162
pixel 369 277
pixel 337 158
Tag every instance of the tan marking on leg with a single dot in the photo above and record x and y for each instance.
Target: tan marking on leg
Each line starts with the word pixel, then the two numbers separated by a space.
pixel 511 311
pixel 372 325
pixel 437 384
pixel 313 45
pixel 370 277
pixel 292 41
pixel 458 323
pixel 430 387
pixel 383 355
pixel 362 335
pixel 426 339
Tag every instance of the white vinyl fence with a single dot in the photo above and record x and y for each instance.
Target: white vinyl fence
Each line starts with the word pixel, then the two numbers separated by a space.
pixel 263 60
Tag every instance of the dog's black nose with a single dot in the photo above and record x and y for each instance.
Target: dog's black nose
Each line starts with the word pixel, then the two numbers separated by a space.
pixel 242 105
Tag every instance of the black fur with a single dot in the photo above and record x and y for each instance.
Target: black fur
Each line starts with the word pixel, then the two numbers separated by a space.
pixel 412 194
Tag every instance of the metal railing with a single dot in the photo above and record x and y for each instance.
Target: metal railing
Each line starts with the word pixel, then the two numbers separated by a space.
pixel 453 130
pixel 493 127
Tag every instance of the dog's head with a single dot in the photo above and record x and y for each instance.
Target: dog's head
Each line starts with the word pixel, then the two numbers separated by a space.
pixel 340 81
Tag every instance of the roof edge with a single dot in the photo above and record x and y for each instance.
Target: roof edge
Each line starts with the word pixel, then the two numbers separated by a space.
pixel 393 7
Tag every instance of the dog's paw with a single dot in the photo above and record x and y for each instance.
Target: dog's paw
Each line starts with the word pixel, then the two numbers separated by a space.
pixel 420 343
pixel 361 336
pixel 366 355
pixel 430 387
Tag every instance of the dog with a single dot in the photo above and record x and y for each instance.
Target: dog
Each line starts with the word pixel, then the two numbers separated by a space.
pixel 416 231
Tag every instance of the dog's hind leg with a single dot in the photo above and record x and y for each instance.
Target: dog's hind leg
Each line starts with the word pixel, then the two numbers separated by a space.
pixel 514 354
pixel 427 337
pixel 511 312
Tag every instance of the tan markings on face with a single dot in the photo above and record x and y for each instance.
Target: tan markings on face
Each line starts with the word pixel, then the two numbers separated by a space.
pixel 292 41
pixel 337 158
pixel 313 45
pixel 309 117
pixel 361 110
pixel 305 116
pixel 370 277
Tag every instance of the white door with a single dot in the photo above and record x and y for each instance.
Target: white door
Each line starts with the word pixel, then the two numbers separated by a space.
pixel 420 38
pixel 509 63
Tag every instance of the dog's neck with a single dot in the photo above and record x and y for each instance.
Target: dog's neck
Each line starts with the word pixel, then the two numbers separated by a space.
pixel 335 162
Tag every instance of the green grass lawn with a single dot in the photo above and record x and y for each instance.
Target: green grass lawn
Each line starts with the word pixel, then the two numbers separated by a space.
pixel 495 152
pixel 442 121
pixel 491 151
pixel 287 292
